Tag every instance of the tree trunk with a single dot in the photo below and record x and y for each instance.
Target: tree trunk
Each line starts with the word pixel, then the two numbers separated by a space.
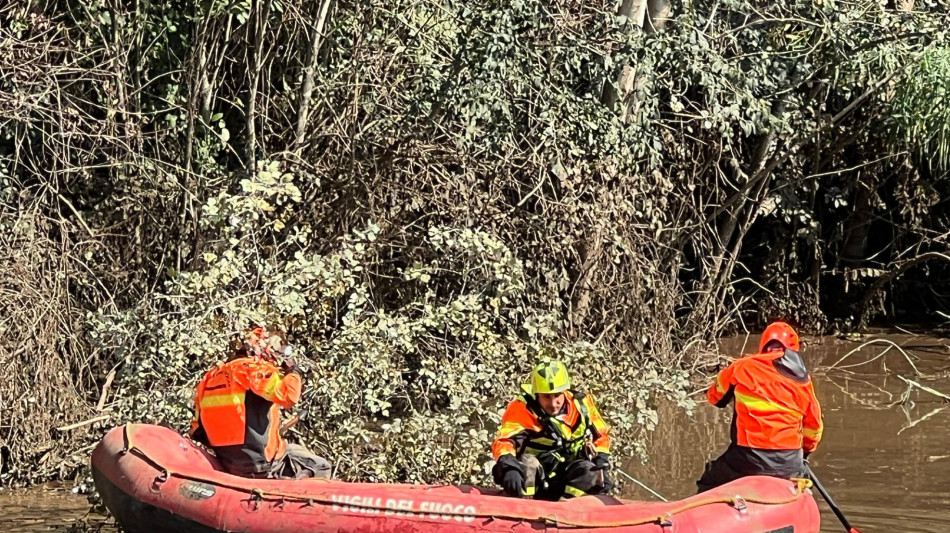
pixel 306 87
pixel 589 254
pixel 658 14
pixel 854 251
pixel 635 12
pixel 905 5
pixel 257 31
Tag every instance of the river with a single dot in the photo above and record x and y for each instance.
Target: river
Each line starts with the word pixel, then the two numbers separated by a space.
pixel 886 464
pixel 53 507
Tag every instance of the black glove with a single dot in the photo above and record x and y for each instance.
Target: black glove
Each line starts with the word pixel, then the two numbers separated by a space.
pixel 602 463
pixel 509 473
pixel 805 456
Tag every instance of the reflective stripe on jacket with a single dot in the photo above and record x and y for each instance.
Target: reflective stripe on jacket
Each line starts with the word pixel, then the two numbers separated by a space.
pixel 237 412
pixel 526 428
pixel 775 404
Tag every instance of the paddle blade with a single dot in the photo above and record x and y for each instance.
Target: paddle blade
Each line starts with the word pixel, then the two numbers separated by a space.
pixel 853 530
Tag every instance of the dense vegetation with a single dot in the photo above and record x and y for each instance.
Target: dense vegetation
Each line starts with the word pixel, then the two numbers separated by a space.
pixel 424 192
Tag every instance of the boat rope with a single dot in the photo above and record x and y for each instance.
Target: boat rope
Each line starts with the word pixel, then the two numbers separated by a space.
pixel 738 502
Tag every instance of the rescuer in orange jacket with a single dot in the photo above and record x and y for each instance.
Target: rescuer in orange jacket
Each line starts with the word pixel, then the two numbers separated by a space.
pixel 776 420
pixel 552 442
pixel 237 412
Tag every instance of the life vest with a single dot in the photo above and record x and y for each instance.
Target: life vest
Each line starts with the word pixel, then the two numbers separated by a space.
pixel 576 433
pixel 237 412
pixel 775 404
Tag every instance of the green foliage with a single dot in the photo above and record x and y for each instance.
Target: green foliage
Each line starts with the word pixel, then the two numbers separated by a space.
pixel 921 109
pixel 409 393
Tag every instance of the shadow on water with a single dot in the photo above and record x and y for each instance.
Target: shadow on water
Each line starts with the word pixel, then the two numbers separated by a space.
pixel 887 464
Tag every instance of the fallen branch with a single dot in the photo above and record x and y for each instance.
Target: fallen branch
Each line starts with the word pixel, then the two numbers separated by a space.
pixel 84 423
pixel 921 419
pixel 925 388
pixel 869 404
pixel 876 341
pixel 862 308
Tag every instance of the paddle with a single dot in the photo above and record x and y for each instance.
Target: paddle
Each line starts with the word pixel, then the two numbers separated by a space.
pixel 831 503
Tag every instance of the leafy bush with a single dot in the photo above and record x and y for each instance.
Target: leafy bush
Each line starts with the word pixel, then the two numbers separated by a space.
pixel 921 109
pixel 405 393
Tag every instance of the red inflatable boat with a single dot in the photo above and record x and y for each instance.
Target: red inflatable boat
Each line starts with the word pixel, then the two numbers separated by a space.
pixel 155 481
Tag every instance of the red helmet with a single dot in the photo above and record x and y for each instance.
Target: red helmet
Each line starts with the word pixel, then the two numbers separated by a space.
pixel 781 332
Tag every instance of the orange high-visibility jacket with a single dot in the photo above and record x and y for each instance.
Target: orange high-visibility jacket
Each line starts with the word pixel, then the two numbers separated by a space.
pixel 237 412
pixel 775 406
pixel 525 428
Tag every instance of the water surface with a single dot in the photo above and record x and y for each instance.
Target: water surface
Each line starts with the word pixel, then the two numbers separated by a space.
pixel 884 463
pixel 52 507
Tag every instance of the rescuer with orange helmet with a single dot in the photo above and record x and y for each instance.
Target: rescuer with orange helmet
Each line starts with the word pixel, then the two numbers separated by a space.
pixel 776 420
pixel 237 410
pixel 552 442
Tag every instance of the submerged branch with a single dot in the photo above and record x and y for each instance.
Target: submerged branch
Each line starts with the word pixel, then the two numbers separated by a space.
pixel 891 344
pixel 925 388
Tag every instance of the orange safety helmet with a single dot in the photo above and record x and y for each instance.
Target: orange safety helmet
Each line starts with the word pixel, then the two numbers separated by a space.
pixel 781 332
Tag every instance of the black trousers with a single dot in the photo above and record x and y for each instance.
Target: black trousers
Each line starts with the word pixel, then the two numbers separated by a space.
pixel 738 462
pixel 297 463
pixel 561 480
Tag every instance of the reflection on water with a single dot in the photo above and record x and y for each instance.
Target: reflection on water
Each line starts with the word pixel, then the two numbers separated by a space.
pixel 886 465
pixel 49 508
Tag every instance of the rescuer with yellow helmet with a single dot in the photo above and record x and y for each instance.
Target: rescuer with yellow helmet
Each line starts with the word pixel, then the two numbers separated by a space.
pixel 552 442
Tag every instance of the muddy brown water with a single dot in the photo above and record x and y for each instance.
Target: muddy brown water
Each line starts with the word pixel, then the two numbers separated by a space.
pixel 49 508
pixel 886 464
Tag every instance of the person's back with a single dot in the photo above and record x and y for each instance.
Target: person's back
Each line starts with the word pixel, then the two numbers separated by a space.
pixel 236 402
pixel 776 419
pixel 237 414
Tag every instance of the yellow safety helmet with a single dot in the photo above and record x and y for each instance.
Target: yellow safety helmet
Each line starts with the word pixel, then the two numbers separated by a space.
pixel 550 377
